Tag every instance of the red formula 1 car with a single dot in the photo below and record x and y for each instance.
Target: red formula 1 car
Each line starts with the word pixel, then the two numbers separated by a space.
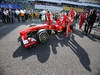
pixel 39 34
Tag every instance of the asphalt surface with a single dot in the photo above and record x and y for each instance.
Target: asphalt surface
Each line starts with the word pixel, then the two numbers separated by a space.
pixel 77 55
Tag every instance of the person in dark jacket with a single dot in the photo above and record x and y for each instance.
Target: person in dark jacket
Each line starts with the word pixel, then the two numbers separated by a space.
pixel 11 15
pixel 90 21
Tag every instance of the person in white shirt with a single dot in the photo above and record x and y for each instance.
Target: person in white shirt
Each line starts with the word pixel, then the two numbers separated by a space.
pixel 22 14
pixel 17 13
pixel 6 14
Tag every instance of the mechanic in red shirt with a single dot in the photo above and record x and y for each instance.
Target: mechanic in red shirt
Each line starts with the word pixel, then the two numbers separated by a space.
pixel 82 19
pixel 49 17
pixel 70 20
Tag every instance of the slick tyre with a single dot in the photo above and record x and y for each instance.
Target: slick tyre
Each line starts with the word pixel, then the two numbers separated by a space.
pixel 42 35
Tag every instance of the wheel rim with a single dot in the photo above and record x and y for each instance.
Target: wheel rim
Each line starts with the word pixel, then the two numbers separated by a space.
pixel 43 37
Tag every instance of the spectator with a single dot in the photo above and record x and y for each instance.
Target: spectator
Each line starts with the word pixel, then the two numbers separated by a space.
pixel 22 14
pixel 0 14
pixel 17 14
pixel 27 14
pixel 11 15
pixel 6 16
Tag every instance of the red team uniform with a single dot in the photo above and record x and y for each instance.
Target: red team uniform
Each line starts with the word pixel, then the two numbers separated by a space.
pixel 82 19
pixel 70 20
pixel 64 19
pixel 49 18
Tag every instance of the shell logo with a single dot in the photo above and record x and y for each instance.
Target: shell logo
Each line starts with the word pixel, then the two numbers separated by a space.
pixel 60 28
pixel 50 27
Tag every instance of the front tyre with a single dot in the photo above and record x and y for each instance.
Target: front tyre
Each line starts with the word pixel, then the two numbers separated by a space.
pixel 43 35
